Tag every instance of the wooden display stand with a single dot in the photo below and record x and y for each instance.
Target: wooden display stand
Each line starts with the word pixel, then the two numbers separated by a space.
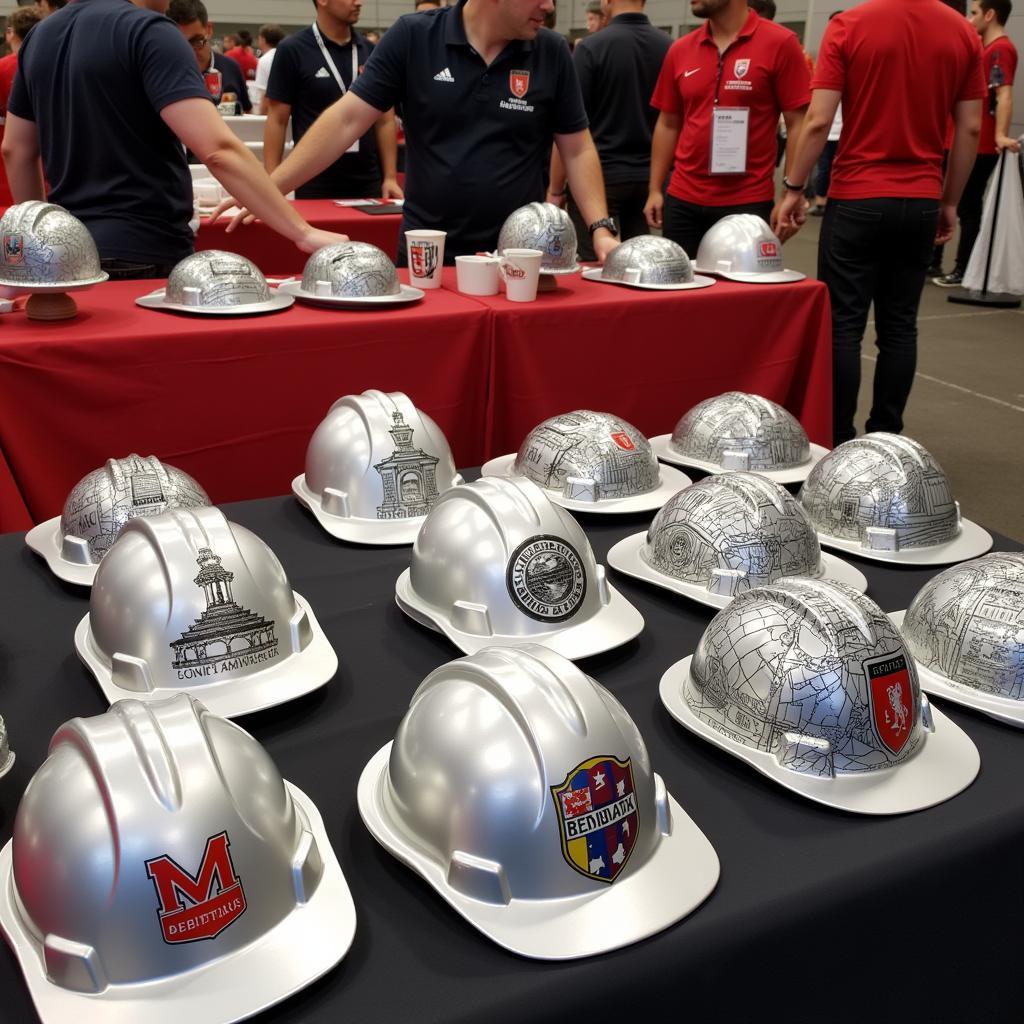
pixel 51 306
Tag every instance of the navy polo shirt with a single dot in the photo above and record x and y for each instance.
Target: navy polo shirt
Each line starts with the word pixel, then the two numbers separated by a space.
pixel 300 77
pixel 93 77
pixel 477 138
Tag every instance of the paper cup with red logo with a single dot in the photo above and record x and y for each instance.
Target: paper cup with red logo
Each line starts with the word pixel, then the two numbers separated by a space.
pixel 425 248
pixel 520 270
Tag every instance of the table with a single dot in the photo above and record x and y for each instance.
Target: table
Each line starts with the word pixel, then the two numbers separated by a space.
pixel 818 914
pixel 275 255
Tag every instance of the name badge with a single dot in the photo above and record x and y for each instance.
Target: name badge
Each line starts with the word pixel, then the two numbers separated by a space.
pixel 729 126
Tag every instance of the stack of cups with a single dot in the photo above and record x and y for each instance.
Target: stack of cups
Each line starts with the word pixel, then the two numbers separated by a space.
pixel 426 257
pixel 477 275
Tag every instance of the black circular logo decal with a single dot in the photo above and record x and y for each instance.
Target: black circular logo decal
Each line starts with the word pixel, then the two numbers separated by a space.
pixel 546 579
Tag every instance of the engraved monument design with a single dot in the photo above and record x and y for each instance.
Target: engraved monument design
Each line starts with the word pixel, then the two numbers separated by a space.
pixel 225 630
pixel 408 476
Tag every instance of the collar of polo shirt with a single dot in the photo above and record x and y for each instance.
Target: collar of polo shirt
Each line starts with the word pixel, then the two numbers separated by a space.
pixel 455 31
pixel 749 26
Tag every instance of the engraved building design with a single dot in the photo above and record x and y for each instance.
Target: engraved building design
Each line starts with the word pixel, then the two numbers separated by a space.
pixel 408 476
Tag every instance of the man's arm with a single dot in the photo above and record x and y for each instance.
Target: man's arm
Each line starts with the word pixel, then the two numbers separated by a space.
pixel 1004 115
pixel 790 213
pixel 386 130
pixel 966 131
pixel 583 169
pixel 556 179
pixel 794 120
pixel 274 133
pixel 663 145
pixel 21 158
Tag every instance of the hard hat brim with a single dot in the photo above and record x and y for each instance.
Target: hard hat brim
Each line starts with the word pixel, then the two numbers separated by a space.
pixel 662 446
pixel 157 300
pixel 699 281
pixel 45 541
pixel 743 277
pixel 972 541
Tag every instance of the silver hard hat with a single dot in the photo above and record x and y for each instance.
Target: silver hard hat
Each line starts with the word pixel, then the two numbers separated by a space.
pixel 6 754
pixel 521 790
pixel 189 601
pixel 812 684
pixel 742 247
pixel 161 870
pixel 883 495
pixel 375 467
pixel 966 626
pixel 213 279
pixel 728 534
pixel 100 504
pixel 350 270
pixel 497 564
pixel 546 227
pixel 648 259
pixel 45 245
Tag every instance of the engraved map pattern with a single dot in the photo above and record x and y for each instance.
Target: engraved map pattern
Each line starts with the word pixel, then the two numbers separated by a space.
pixel 56 247
pixel 659 260
pixel 355 270
pixel 223 280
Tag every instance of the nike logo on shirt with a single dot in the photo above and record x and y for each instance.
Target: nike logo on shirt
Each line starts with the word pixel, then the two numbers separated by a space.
pixel 686 74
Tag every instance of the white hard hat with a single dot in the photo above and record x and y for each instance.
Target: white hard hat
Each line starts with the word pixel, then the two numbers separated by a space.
pixel 742 247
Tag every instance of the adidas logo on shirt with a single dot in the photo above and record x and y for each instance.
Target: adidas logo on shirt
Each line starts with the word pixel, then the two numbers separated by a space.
pixel 444 76
pixel 322 73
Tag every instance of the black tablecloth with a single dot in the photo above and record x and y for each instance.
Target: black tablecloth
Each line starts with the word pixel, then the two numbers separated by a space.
pixel 818 916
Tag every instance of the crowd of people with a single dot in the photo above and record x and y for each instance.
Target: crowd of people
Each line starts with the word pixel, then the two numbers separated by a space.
pixel 900 120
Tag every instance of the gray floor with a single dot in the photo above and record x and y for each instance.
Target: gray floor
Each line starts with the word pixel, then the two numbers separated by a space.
pixel 967 406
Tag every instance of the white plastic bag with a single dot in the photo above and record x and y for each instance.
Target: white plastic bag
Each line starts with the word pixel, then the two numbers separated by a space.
pixel 1006 272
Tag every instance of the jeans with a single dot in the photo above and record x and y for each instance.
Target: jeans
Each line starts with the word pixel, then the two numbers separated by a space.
pixel 687 223
pixel 969 210
pixel 626 201
pixel 823 172
pixel 875 250
pixel 131 270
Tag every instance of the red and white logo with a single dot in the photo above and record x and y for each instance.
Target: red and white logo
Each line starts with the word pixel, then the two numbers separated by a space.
pixel 14 248
pixel 423 258
pixel 519 83
pixel 741 67
pixel 769 250
pixel 200 906
pixel 622 439
pixel 892 700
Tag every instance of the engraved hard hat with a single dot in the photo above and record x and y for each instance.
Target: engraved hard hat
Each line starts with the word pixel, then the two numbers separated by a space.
pixel 6 754
pixel 521 790
pixel 189 601
pixel 725 535
pixel 497 564
pixel 811 684
pixel 161 870
pixel 648 259
pixel 884 497
pixel 100 504
pixel 375 467
pixel 546 227
pixel 44 245
pixel 740 431
pixel 742 247
pixel 591 462
pixel 350 270
pixel 965 629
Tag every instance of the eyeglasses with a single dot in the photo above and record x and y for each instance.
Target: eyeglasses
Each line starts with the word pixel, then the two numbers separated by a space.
pixel 199 42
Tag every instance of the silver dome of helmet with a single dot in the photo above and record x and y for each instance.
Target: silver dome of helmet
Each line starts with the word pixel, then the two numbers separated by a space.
pixel 743 247
pixel 161 868
pixel 967 624
pixel 648 259
pixel 732 532
pixel 214 279
pixel 522 790
pixel 881 491
pixel 546 227
pixel 44 244
pixel 497 564
pixel 189 601
pixel 375 463
pixel 740 431
pixel 588 455
pixel 350 270
pixel 6 754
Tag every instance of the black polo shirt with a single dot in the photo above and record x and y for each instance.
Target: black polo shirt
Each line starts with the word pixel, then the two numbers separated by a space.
pixel 477 138
pixel 93 77
pixel 618 68
pixel 231 80
pixel 301 78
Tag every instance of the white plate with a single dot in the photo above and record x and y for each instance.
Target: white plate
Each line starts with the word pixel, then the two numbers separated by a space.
pixel 407 295
pixel 10 289
pixel 672 482
pixel 625 557
pixel 155 300
pixel 973 541
pixel 1003 709
pixel 794 475
pixel 594 274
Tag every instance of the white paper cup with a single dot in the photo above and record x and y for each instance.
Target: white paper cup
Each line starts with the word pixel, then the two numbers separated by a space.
pixel 520 270
pixel 477 275
pixel 425 252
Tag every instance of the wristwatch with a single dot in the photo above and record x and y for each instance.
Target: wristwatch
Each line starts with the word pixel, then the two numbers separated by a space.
pixel 604 222
pixel 786 183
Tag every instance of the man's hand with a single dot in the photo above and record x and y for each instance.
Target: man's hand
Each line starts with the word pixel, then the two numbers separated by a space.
pixel 556 199
pixel 603 242
pixel 315 239
pixel 242 215
pixel 1005 142
pixel 654 208
pixel 789 215
pixel 947 223
pixel 390 189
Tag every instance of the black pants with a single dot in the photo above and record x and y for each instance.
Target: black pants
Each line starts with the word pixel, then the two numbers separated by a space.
pixel 969 210
pixel 875 250
pixel 131 270
pixel 626 201
pixel 687 223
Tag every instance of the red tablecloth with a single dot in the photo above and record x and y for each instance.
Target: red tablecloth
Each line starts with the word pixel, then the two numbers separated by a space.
pixel 233 402
pixel 274 255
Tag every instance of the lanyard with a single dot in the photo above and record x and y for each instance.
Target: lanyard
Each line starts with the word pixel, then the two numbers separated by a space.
pixel 330 61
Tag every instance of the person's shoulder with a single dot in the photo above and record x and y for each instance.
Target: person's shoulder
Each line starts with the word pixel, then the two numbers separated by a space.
pixel 689 42
pixel 295 41
pixel 224 61
pixel 773 31
pixel 1005 43
pixel 549 41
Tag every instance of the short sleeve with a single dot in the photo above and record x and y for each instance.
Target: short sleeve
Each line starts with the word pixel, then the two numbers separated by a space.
pixel 830 71
pixel 19 102
pixel 283 80
pixel 162 56
pixel 569 114
pixel 973 86
pixel 263 66
pixel 666 92
pixel 583 62
pixel 792 79
pixel 382 83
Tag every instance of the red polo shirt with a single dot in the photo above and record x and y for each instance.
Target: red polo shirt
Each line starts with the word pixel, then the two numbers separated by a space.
pixel 1000 67
pixel 245 59
pixel 763 69
pixel 902 68
pixel 8 69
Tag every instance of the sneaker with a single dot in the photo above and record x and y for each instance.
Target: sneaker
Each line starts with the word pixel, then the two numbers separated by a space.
pixel 817 211
pixel 953 279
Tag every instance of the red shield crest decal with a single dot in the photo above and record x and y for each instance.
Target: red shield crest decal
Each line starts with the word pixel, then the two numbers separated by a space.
pixel 14 248
pixel 622 439
pixel 769 250
pixel 422 258
pixel 519 83
pixel 597 816
pixel 892 700
pixel 200 906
